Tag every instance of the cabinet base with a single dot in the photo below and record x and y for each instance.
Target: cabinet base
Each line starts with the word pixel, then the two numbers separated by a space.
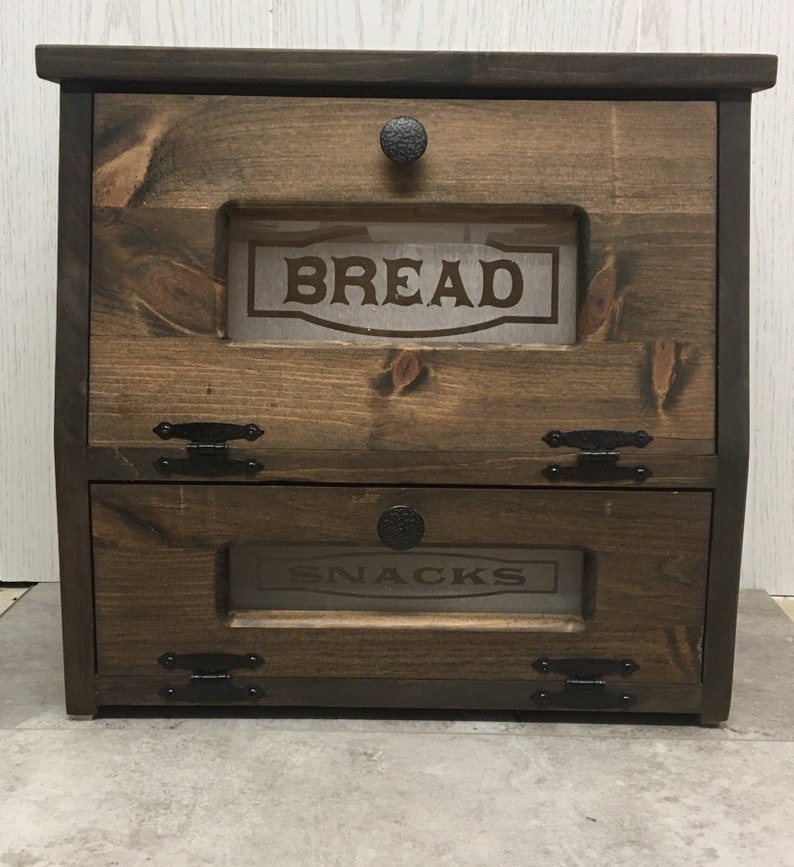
pixel 383 694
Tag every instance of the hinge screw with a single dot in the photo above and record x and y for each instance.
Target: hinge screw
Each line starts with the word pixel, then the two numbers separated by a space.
pixel 641 473
pixel 554 470
pixel 642 437
pixel 543 697
pixel 252 465
pixel 253 661
pixel 252 431
pixel 543 665
pixel 628 666
pixel 253 692
pixel 170 692
pixel 169 661
pixel 625 698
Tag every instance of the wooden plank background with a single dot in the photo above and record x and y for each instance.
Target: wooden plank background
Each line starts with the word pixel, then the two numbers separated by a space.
pixel 28 141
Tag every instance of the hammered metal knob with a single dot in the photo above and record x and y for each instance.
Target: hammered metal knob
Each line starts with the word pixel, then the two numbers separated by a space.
pixel 403 139
pixel 401 528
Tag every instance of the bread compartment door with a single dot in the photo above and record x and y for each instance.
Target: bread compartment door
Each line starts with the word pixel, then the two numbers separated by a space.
pixel 545 265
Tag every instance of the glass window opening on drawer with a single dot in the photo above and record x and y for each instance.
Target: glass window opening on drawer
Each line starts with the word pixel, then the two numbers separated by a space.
pixel 499 282
pixel 425 580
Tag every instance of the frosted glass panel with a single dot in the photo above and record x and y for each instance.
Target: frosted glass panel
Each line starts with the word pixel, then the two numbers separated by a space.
pixel 500 283
pixel 336 578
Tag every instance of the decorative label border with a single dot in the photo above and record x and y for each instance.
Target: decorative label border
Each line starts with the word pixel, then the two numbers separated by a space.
pixel 552 319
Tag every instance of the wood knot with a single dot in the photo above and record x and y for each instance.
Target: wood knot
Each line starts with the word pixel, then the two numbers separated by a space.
pixel 665 373
pixel 404 372
pixel 405 368
pixel 601 308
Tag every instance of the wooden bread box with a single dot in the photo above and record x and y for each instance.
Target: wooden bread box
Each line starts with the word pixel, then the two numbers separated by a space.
pixel 402 379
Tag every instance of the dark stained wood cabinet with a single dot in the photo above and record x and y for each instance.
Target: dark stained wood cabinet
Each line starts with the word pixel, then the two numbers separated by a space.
pixel 340 426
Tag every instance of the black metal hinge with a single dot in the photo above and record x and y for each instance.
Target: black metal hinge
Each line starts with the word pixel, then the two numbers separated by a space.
pixel 584 695
pixel 598 456
pixel 207 451
pixel 585 668
pixel 210 680
pixel 584 689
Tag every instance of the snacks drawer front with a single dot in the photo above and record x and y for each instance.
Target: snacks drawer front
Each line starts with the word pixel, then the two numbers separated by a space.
pixel 429 583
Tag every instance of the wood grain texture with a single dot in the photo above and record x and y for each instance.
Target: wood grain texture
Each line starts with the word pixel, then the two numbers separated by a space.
pixel 29 183
pixel 733 422
pixel 99 68
pixel 768 25
pixel 29 140
pixel 552 25
pixel 162 271
pixel 503 400
pixel 71 402
pixel 156 152
pixel 394 693
pixel 159 151
pixel 404 467
pixel 155 559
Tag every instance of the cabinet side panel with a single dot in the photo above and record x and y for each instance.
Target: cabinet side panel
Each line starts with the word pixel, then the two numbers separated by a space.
pixel 733 426
pixel 71 389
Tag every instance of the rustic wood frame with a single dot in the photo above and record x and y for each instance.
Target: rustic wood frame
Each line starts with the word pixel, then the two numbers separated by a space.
pixel 452 73
pixel 733 416
pixel 84 70
pixel 71 400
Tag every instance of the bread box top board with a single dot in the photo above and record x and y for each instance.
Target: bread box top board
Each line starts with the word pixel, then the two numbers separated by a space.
pixel 427 73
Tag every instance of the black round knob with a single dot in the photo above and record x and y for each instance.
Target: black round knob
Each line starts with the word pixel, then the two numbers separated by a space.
pixel 401 528
pixel 403 139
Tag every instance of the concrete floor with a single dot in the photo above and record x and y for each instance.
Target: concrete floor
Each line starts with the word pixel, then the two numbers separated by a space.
pixel 474 789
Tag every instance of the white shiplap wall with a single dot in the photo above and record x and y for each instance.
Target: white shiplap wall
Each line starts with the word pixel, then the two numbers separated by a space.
pixel 28 142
